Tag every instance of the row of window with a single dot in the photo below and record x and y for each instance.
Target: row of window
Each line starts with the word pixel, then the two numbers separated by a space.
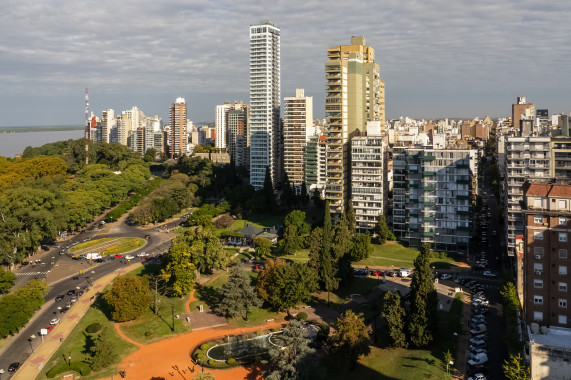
pixel 538 268
pixel 538 316
pixel 539 219
pixel 538 253
pixel 538 300
pixel 538 284
pixel 538 235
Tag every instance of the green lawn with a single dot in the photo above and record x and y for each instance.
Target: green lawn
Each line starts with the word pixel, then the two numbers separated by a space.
pixel 78 342
pixel 258 221
pixel 394 254
pixel 122 245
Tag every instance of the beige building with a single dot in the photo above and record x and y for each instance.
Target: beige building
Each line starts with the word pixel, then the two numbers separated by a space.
pixel 178 135
pixel 355 95
pixel 298 127
pixel 239 134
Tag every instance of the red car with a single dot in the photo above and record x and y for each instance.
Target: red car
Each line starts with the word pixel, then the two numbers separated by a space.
pixel 377 272
pixel 50 328
pixel 118 256
pixel 145 257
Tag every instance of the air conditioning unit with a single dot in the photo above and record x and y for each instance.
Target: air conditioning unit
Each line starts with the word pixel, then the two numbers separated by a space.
pixel 539 272
pixel 539 257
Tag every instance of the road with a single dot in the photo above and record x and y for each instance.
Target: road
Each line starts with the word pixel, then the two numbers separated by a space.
pixel 63 274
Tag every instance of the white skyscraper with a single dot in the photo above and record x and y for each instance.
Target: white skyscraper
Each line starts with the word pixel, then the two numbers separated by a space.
pixel 221 125
pixel 264 101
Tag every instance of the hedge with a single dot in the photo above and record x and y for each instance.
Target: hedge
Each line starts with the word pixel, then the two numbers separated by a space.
pixel 301 316
pixel 82 368
pixel 93 328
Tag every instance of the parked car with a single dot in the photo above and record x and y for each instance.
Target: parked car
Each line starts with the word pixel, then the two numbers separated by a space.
pixel 360 272
pixel 54 321
pixel 118 256
pixel 71 292
pixel 474 354
pixel 488 273
pixel 479 337
pixel 13 367
pixel 479 359
pixel 377 272
pixel 59 298
pixel 49 328
pixel 445 276
pixel 141 254
pixel 64 309
pixel 73 299
pixel 477 342
pixel 478 376
pixel 129 257
pixel 404 272
pixel 474 346
pixel 479 329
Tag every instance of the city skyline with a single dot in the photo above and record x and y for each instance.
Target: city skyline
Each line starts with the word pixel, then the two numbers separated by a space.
pixel 437 59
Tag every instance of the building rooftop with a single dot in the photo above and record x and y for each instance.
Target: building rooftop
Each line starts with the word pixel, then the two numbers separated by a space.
pixel 555 337
pixel 548 190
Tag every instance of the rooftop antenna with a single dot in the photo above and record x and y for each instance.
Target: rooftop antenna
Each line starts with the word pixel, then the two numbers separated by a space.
pixel 87 127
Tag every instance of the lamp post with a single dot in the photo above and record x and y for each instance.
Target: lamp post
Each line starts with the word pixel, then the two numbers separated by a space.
pixel 30 339
pixel 1 372
pixel 172 312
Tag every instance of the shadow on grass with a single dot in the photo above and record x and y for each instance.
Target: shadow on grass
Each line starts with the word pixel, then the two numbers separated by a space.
pixel 150 270
pixel 89 343
pixel 209 295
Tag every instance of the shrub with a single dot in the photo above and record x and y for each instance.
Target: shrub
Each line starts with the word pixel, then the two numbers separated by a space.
pixel 301 316
pixel 205 347
pixel 260 332
pixel 224 221
pixel 93 328
pixel 148 333
pixel 200 355
pixel 80 367
pixel 275 329
pixel 211 361
pixel 231 361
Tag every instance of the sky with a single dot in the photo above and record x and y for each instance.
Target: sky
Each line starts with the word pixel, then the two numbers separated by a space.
pixel 438 58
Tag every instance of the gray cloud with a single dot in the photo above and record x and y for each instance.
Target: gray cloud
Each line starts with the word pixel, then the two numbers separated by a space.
pixel 437 57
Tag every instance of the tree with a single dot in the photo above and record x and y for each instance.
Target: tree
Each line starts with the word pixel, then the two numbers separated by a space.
pixel 382 230
pixel 128 298
pixel 103 351
pixel 326 263
pixel 267 275
pixel 291 240
pixel 351 337
pixel 423 301
pixel 351 220
pixel 514 369
pixel 292 359
pixel 394 315
pixel 7 280
pixel 263 246
pixel 304 196
pixel 288 194
pixel 179 272
pixel 268 196
pixel 289 285
pixel 297 219
pixel 204 376
pixel 238 296
pixel 315 239
pixel 342 239
pixel 361 248
pixel 206 251
pixel 448 359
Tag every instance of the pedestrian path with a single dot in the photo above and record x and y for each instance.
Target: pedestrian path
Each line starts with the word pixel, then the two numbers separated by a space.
pixel 19 274
pixel 34 364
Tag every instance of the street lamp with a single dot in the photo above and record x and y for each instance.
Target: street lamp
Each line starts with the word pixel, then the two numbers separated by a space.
pixel 30 339
pixel 172 311
pixel 1 372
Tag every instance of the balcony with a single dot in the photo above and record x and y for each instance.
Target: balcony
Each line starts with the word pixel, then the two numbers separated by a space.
pixel 462 166
pixel 429 158
pixel 463 181
pixel 429 204
pixel 429 188
pixel 428 234
pixel 429 174
pixel 462 197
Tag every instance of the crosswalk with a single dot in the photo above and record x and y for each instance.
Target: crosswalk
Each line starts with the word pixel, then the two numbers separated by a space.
pixel 32 273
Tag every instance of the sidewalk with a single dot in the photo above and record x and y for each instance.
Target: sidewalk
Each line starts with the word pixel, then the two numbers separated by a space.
pixel 463 343
pixel 34 364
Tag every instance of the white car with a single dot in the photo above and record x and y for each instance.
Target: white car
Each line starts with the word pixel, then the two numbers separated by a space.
pixel 141 254
pixel 54 321
pixel 445 276
pixel 129 257
pixel 479 359
pixel 489 273
pixel 478 376
pixel 476 352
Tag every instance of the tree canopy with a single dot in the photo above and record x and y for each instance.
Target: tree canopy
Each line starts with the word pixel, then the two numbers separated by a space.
pixel 128 298
pixel 238 296
pixel 351 337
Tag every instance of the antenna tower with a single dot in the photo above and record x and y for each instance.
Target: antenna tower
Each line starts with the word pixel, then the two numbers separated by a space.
pixel 87 127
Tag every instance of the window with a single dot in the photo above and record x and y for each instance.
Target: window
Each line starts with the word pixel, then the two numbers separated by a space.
pixel 562 286
pixel 562 320
pixel 538 219
pixel 563 204
pixel 538 235
pixel 563 269
pixel 562 253
pixel 538 284
pixel 562 303
pixel 538 251
pixel 538 316
pixel 537 203
pixel 538 300
pixel 563 237
pixel 562 221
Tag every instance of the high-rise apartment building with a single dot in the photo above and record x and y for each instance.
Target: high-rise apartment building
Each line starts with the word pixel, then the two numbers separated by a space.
pixel 107 124
pixel 298 125
pixel 355 95
pixel 432 196
pixel 367 180
pixel 264 101
pixel 526 158
pixel 221 125
pixel 521 110
pixel 547 246
pixel 238 134
pixel 178 135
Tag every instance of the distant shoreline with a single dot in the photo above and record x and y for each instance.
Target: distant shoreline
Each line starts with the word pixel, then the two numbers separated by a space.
pixel 40 129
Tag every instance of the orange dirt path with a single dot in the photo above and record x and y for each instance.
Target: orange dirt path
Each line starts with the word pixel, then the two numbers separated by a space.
pixel 158 358
pixel 125 337
pixel 190 299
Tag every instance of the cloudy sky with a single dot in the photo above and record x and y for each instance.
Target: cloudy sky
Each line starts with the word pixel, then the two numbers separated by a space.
pixel 438 58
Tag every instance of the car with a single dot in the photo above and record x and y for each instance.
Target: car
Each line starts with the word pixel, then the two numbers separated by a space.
pixel 64 309
pixel 73 299
pixel 129 257
pixel 24 263
pixel 475 353
pixel 392 273
pixel 478 376
pixel 489 215
pixel 479 337
pixel 145 257
pixel 477 342
pixel 257 268
pixel 445 276
pixel 76 257
pixel 54 321
pixel 488 273
pixel 479 329
pixel 71 292
pixel 360 272
pixel 494 232
pixel 479 359
pixel 141 254
pixel 50 328
pixel 147 237
pixel 377 272
pixel 118 256
pixel 79 293
pixel 478 321
pixel 100 260
pixel 13 367
pixel 59 298
pixel 480 302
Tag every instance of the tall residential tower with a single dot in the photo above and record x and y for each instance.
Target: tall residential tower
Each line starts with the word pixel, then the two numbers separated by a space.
pixel 355 95
pixel 264 101
pixel 178 135
pixel 298 127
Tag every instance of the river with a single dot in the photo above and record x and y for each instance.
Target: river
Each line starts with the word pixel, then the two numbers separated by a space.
pixel 14 143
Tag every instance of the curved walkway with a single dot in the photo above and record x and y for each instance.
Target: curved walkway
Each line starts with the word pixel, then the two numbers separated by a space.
pixel 163 357
pixel 125 337
pixel 190 300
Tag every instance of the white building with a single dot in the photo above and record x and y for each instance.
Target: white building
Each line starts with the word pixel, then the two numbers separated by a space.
pixel 264 100
pixel 221 125
pixel 298 127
